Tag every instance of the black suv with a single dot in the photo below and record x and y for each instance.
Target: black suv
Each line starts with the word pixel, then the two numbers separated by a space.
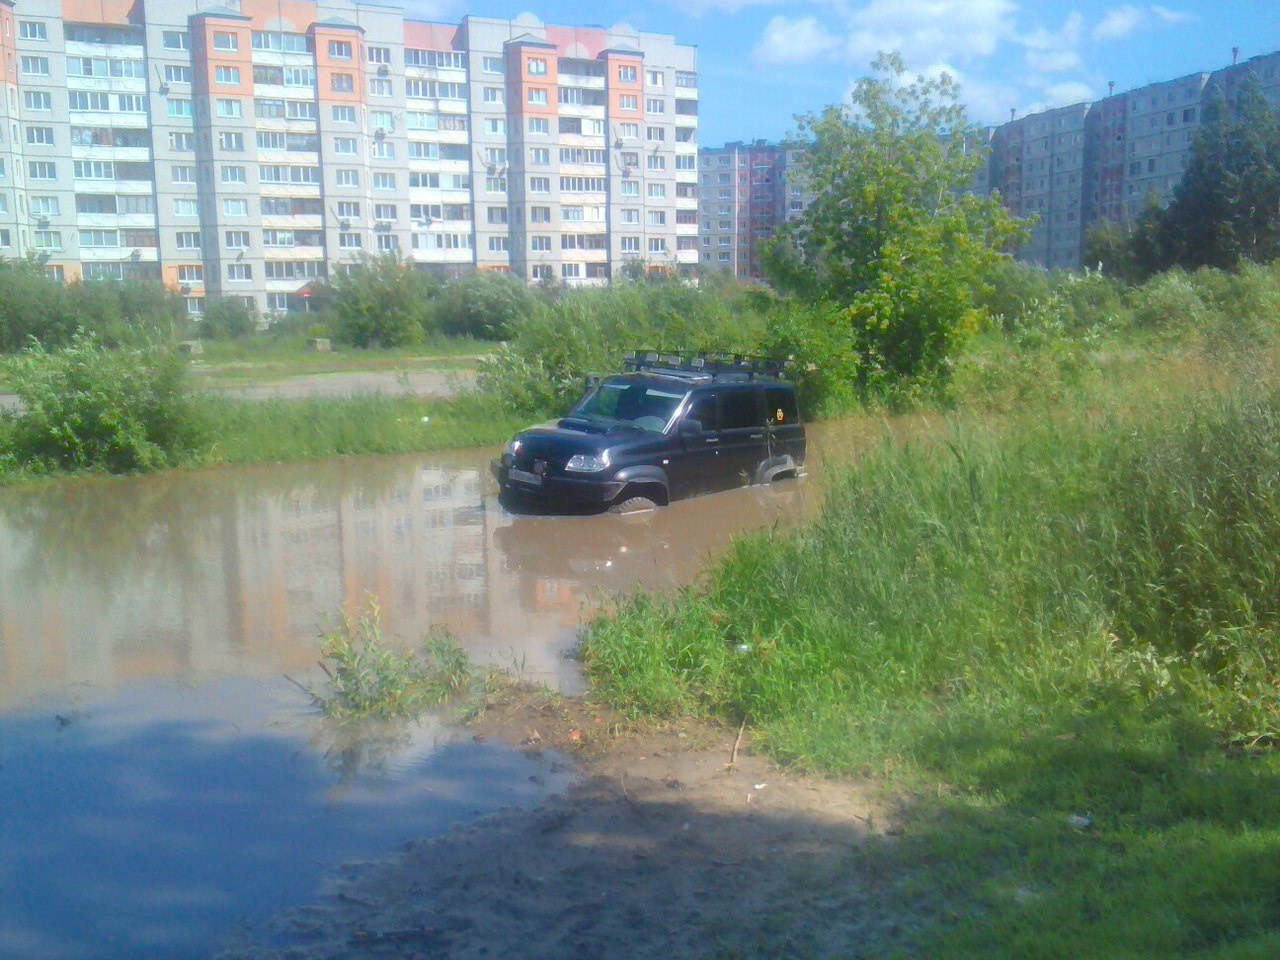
pixel 672 426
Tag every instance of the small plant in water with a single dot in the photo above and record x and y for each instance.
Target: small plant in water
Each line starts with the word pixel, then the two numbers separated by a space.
pixel 367 678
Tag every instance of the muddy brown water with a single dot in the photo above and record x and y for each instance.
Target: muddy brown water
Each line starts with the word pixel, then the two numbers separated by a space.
pixel 162 783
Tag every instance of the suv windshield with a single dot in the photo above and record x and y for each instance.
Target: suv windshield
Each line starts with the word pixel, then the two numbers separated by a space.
pixel 648 406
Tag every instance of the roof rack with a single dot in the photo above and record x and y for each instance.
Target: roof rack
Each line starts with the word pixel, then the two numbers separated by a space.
pixel 716 366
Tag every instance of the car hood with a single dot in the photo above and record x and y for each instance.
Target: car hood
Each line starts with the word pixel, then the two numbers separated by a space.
pixel 571 435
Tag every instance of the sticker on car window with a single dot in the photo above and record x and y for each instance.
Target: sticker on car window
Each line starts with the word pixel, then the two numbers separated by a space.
pixel 779 416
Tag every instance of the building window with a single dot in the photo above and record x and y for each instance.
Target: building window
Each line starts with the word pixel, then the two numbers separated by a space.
pixel 349 241
pixel 384 181
pixel 497 244
pixel 339 49
pixel 40 136
pixel 539 156
pixel 492 95
pixel 233 174
pixel 32 30
pixel 42 170
pixel 654 105
pixel 537 97
pixel 657 245
pixel 539 184
pixel 630 244
pixel 187 239
pixel 342 83
pixel 540 244
pixel 235 207
pixel 655 134
pixel 378 54
pixel 237 239
pixel 344 114
pixel 537 67
pixel 40 100
pixel 626 74
pixel 232 142
pixel 239 272
pixel 229 109
pixel 379 87
pixel 539 214
pixel 628 101
pixel 191 273
pixel 570 271
pixel 347 178
pixel 344 146
pixel 47 239
pixel 225 41
pixel 227 76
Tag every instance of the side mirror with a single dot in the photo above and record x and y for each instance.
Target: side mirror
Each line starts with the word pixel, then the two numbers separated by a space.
pixel 690 428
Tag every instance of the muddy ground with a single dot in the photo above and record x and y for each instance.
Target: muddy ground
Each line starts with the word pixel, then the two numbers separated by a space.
pixel 674 843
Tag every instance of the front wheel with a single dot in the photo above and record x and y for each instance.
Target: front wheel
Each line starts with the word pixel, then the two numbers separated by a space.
pixel 633 505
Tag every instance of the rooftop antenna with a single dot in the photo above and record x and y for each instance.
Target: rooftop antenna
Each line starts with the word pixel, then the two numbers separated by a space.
pixel 1013 112
pixel 1235 55
pixel 1111 87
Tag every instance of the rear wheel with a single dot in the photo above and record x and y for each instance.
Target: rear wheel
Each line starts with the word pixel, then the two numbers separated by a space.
pixel 633 505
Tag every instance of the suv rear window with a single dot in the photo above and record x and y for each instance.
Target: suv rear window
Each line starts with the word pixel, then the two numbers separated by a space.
pixel 780 405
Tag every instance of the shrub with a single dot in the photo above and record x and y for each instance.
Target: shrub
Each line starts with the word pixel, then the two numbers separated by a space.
pixel 226 318
pixel 540 370
pixel 381 303
pixel 89 408
pixel 487 306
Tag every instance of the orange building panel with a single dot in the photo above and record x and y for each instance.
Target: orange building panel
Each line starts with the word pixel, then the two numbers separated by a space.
pixel 431 36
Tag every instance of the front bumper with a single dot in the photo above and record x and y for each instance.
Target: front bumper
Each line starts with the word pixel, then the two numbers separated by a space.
pixel 558 490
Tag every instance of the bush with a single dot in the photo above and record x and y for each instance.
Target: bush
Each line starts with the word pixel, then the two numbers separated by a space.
pixel 541 369
pixel 89 408
pixel 381 303
pixel 486 306
pixel 226 318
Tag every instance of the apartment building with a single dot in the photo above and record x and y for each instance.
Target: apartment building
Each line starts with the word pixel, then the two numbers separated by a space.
pixel 250 149
pixel 1087 164
pixel 741 201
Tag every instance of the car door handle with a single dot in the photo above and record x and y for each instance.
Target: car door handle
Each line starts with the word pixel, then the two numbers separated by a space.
pixel 757 436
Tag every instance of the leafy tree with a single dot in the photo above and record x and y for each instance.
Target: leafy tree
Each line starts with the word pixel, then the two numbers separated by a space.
pixel 382 302
pixel 32 306
pixel 1227 207
pixel 893 238
pixel 486 306
pixel 226 318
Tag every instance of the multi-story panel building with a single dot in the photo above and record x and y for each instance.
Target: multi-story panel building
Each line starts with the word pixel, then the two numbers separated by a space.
pixel 250 149
pixel 740 203
pixel 1134 149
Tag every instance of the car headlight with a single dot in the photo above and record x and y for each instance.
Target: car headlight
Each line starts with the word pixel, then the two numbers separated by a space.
pixel 587 463
pixel 512 447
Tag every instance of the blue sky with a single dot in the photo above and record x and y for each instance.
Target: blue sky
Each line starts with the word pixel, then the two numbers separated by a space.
pixel 760 62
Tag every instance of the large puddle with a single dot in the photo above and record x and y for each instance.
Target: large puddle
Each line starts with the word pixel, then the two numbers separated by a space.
pixel 161 782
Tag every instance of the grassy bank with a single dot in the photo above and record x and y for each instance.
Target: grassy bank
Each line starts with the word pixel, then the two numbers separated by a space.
pixel 1057 632
pixel 250 431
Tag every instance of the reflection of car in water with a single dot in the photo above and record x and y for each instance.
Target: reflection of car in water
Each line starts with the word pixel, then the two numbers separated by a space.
pixel 654 548
pixel 674 426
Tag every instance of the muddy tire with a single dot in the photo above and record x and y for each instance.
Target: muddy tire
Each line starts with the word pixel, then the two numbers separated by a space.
pixel 633 505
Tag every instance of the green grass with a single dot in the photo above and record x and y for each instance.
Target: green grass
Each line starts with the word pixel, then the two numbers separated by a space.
pixel 367 677
pixel 1069 614
pixel 251 431
pixel 273 357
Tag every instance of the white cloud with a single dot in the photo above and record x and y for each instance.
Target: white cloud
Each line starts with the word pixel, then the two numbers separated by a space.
pixel 794 41
pixel 1053 61
pixel 926 31
pixel 698 8
pixel 1170 16
pixel 441 10
pixel 1061 94
pixel 1119 23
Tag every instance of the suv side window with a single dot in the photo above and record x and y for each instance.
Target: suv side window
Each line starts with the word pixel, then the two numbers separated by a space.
pixel 740 409
pixel 780 406
pixel 703 409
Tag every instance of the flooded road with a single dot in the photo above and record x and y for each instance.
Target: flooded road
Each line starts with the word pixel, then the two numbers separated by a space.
pixel 162 783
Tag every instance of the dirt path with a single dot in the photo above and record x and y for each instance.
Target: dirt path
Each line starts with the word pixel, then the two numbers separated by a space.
pixel 659 851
